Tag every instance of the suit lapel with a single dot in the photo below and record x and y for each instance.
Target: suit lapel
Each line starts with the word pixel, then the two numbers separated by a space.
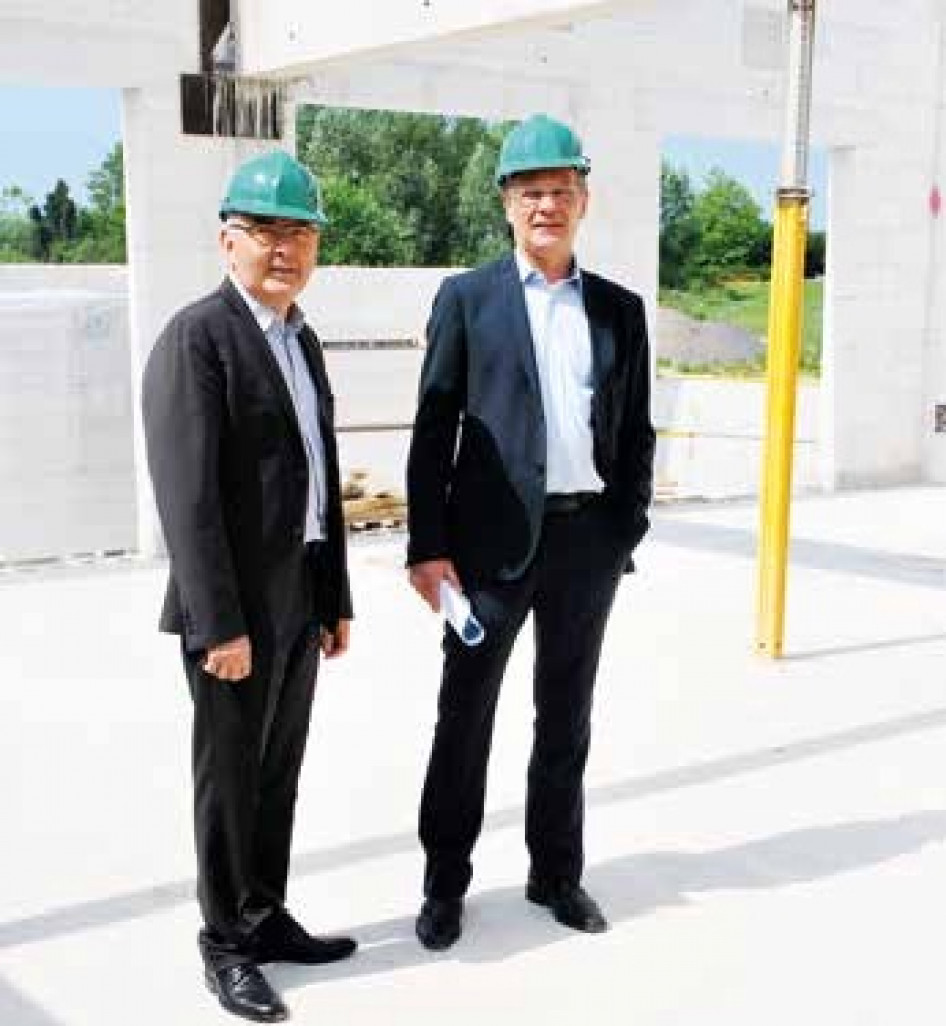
pixel 257 351
pixel 517 319
pixel 600 327
pixel 314 361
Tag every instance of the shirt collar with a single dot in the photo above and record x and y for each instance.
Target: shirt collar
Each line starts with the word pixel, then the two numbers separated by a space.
pixel 266 316
pixel 530 275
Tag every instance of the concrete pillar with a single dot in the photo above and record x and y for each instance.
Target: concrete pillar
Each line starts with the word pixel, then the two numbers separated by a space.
pixel 621 231
pixel 173 189
pixel 876 303
pixel 934 352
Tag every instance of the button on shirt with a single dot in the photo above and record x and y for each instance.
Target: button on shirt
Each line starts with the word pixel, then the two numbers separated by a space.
pixel 562 342
pixel 283 338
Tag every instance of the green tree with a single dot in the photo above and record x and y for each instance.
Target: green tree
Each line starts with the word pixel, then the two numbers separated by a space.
pixel 733 236
pixel 16 230
pixel 679 231
pixel 59 230
pixel 482 223
pixel 100 236
pixel 815 252
pixel 60 213
pixel 413 165
pixel 361 231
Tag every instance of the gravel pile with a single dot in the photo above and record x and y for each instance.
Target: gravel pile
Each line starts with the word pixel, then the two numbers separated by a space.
pixel 685 339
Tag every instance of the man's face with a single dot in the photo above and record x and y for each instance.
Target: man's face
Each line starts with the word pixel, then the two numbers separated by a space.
pixel 272 259
pixel 544 209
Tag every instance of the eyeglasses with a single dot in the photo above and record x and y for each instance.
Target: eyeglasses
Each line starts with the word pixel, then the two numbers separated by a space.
pixel 271 235
pixel 529 198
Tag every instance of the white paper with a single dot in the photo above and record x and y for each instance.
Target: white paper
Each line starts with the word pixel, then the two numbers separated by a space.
pixel 455 607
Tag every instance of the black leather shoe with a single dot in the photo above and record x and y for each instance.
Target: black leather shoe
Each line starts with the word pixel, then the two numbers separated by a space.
pixel 243 990
pixel 281 939
pixel 438 923
pixel 570 903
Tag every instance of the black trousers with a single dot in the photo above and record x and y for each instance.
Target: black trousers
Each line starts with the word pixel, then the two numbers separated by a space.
pixel 569 588
pixel 249 740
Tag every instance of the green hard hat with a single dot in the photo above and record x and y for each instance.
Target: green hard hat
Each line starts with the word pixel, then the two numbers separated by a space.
pixel 274 185
pixel 539 143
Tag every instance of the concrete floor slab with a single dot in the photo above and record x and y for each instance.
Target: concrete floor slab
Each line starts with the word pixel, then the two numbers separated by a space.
pixel 767 838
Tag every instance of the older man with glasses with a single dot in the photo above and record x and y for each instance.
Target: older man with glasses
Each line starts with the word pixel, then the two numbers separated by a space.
pixel 529 479
pixel 238 417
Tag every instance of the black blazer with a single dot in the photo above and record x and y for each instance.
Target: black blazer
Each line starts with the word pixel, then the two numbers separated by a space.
pixel 230 475
pixel 476 468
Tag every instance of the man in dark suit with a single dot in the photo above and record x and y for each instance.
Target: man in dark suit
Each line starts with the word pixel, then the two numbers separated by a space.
pixel 529 479
pixel 238 417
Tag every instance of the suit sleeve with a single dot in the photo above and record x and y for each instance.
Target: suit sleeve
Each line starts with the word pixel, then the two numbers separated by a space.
pixel 637 438
pixel 441 400
pixel 184 409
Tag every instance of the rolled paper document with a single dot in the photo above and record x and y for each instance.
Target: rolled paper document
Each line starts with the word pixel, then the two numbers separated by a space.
pixel 455 607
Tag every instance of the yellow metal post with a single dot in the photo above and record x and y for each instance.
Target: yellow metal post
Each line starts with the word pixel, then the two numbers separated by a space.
pixel 784 339
pixel 785 322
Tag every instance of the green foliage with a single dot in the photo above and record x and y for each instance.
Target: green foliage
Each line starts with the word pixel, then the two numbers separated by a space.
pixel 427 179
pixel 16 230
pixel 361 230
pixel 483 232
pixel 59 231
pixel 679 232
pixel 733 237
pixel 815 253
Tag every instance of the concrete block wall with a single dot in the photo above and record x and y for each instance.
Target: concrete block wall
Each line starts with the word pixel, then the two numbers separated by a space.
pixel 67 476
pixel 934 337
pixel 67 406
pixel 621 230
pixel 710 437
pixel 173 188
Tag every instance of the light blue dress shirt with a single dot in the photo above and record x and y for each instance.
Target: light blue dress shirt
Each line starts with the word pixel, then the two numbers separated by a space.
pixel 561 339
pixel 283 338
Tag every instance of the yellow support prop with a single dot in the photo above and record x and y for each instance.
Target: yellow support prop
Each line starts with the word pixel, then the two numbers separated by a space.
pixel 784 341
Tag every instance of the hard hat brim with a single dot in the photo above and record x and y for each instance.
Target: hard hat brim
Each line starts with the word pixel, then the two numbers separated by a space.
pixel 285 211
pixel 580 164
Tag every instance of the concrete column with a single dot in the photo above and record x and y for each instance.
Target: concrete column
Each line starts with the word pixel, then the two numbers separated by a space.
pixel 934 352
pixel 621 232
pixel 876 301
pixel 173 188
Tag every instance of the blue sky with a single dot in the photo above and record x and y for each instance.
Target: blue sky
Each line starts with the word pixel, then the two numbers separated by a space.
pixel 755 164
pixel 47 134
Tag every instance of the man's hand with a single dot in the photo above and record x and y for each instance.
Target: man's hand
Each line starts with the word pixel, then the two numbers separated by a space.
pixel 425 579
pixel 335 643
pixel 233 660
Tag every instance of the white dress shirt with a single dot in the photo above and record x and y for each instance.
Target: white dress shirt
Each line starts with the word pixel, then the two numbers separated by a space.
pixel 283 338
pixel 562 342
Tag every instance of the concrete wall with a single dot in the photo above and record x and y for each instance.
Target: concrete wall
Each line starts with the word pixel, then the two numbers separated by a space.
pixel 98 43
pixel 716 68
pixel 626 74
pixel 285 33
pixel 711 436
pixel 934 335
pixel 67 473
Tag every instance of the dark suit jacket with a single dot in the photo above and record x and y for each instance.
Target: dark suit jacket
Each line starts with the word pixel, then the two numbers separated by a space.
pixel 476 469
pixel 230 476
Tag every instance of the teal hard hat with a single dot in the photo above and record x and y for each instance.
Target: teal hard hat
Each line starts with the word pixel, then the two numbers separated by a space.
pixel 537 144
pixel 274 185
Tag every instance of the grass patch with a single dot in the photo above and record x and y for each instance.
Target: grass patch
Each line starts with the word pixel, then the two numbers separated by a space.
pixel 745 303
